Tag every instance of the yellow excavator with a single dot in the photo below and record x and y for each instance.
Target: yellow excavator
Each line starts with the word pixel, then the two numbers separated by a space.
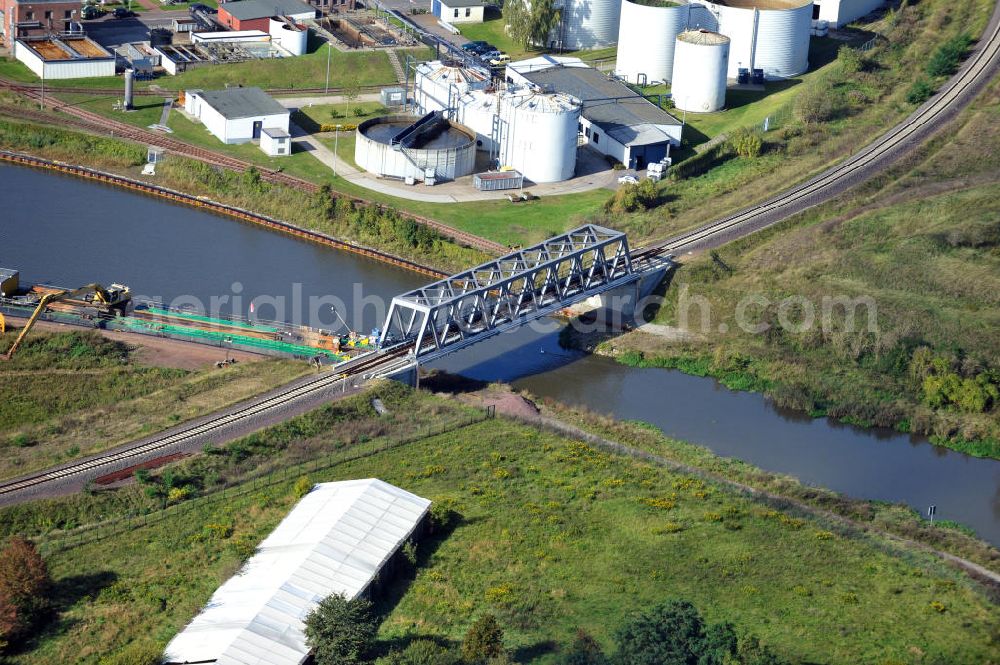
pixel 116 298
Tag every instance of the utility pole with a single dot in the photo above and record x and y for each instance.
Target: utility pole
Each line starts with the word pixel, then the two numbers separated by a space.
pixel 329 49
pixel 336 154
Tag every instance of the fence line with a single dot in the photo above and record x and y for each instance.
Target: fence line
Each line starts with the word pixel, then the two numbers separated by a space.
pixel 59 542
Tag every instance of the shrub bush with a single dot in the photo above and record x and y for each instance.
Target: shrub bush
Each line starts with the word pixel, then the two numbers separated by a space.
pixel 341 631
pixel 484 641
pixel 137 653
pixel 920 91
pixel 746 142
pixel 948 56
pixel 630 197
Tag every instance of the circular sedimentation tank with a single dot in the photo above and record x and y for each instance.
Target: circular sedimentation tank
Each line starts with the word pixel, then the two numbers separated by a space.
pixel 448 148
pixel 699 76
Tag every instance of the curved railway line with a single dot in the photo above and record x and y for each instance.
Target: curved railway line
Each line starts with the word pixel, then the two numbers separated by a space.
pixel 955 94
pixel 238 415
pixel 975 73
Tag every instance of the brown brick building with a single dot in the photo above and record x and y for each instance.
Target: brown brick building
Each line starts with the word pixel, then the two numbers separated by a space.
pixel 26 18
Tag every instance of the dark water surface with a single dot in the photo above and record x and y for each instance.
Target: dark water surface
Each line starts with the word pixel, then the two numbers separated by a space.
pixel 71 232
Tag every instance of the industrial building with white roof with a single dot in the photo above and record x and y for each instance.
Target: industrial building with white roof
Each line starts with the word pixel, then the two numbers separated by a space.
pixel 335 541
pixel 616 120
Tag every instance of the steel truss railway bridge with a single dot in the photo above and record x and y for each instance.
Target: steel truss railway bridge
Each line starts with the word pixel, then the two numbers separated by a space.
pixel 513 290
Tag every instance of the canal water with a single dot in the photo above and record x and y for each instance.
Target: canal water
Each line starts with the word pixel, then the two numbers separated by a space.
pixel 71 232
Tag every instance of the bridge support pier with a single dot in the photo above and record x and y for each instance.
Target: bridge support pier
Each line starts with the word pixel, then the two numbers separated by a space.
pixel 408 375
pixel 617 307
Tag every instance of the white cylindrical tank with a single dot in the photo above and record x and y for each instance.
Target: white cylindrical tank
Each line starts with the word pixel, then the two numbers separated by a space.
pixel 539 134
pixel 291 37
pixel 772 35
pixel 586 24
pixel 477 110
pixel 437 86
pixel 700 63
pixel 646 38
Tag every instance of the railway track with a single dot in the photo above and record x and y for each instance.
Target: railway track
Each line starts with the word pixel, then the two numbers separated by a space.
pixel 975 73
pixel 129 455
pixel 14 86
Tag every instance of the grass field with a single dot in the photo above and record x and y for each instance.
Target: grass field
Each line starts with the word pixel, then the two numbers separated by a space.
pixel 307 71
pixel 66 395
pixel 553 536
pixel 920 244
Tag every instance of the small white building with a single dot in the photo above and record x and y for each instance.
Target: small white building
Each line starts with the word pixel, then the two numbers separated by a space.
pixel 65 57
pixel 336 540
pixel 459 11
pixel 841 12
pixel 275 142
pixel 236 115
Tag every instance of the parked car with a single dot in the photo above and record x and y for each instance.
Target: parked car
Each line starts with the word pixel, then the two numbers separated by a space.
pixel 501 59
pixel 489 55
pixel 121 12
pixel 484 48
pixel 473 46
pixel 90 12
pixel 198 7
pixel 627 179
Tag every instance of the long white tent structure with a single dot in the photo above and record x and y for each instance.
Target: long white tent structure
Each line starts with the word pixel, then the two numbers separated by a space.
pixel 335 540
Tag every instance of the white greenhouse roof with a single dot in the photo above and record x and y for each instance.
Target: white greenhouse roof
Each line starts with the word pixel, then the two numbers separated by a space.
pixel 335 540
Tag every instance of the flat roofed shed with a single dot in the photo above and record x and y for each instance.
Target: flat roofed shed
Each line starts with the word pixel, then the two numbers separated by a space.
pixel 245 10
pixel 335 540
pixel 236 103
pixel 621 112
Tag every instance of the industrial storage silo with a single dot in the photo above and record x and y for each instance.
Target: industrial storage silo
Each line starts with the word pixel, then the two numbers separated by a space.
pixel 699 78
pixel 539 134
pixel 646 39
pixel 586 24
pixel 289 35
pixel 772 35
pixel 438 87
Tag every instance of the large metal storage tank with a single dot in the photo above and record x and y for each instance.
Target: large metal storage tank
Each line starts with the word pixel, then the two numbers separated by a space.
pixel 437 86
pixel 290 36
pixel 477 110
pixel 772 35
pixel 701 58
pixel 586 24
pixel 646 38
pixel 539 134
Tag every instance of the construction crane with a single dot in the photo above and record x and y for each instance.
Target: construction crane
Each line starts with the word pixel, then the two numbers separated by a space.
pixel 117 297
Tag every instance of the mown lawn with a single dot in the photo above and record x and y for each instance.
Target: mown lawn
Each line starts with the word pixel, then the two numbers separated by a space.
pixel 307 71
pixel 553 536
pixel 67 395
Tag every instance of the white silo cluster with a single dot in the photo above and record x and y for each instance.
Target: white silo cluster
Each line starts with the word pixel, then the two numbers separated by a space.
pixel 539 134
pixel 586 24
pixel 771 35
pixel 526 129
pixel 438 87
pixel 701 60
pixel 646 38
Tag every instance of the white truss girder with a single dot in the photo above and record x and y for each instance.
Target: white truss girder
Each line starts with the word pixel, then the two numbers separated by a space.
pixel 515 288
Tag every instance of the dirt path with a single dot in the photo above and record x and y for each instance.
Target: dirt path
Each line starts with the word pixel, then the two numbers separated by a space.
pixel 154 350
